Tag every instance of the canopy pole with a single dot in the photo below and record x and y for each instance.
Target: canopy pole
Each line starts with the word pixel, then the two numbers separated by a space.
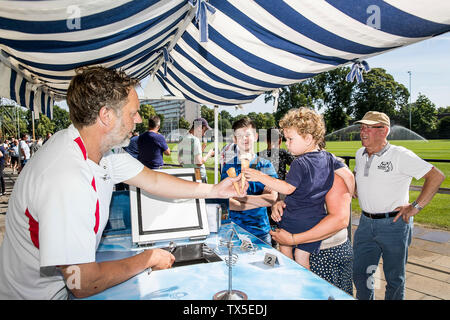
pixel 216 144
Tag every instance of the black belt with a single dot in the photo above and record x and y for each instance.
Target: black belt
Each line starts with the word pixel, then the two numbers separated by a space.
pixel 381 215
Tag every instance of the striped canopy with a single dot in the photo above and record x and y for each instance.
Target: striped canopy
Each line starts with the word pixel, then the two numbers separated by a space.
pixel 211 52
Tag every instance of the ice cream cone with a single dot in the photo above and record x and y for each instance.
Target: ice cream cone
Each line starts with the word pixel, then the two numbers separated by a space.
pixel 232 173
pixel 245 163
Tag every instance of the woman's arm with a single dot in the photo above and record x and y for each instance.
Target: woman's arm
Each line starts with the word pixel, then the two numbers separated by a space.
pixel 338 200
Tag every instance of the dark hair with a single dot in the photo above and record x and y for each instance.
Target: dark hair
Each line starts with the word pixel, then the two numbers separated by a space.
pixel 93 88
pixel 153 122
pixel 273 133
pixel 243 123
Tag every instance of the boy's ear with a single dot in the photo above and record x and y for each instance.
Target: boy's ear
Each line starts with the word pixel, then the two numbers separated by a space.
pixel 309 139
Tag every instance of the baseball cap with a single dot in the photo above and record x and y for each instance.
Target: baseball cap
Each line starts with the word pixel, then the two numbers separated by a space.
pixel 374 117
pixel 204 122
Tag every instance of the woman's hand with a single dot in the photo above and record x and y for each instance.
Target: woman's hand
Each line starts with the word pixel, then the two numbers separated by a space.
pixel 277 210
pixel 282 237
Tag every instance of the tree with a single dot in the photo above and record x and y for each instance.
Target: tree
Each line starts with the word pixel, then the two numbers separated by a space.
pixel 145 112
pixel 61 119
pixel 302 94
pixel 444 128
pixel 225 115
pixel 378 92
pixel 423 116
pixel 336 96
pixel 183 124
pixel 44 125
pixel 207 113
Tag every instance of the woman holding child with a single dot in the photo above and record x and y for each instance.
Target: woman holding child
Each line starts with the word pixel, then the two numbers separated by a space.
pixel 315 177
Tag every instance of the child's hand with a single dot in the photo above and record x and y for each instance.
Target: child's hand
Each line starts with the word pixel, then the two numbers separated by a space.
pixel 253 175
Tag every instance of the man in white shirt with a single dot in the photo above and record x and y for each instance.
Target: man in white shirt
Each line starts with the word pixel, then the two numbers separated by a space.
pixel 383 174
pixel 60 203
pixel 24 150
pixel 190 149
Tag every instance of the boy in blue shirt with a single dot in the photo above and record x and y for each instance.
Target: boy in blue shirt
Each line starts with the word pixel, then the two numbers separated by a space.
pixel 250 211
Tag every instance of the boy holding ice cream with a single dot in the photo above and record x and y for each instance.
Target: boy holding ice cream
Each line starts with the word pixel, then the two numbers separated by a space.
pixel 250 211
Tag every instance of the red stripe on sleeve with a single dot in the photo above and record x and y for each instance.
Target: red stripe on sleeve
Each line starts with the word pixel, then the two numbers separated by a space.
pixel 34 229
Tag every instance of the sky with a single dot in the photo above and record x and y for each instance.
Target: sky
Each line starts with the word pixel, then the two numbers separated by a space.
pixel 428 61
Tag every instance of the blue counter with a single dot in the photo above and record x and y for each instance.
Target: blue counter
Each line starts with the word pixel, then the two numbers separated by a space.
pixel 285 280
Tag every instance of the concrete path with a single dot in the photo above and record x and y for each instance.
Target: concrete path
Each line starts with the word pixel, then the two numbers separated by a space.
pixel 427 271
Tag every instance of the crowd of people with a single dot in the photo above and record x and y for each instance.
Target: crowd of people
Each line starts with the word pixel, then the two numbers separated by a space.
pixel 54 225
pixel 18 151
pixel 14 154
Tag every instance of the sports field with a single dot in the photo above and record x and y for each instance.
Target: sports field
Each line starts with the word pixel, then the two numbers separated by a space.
pixel 436 214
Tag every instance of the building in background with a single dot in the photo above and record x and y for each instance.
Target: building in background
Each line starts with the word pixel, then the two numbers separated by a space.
pixel 171 107
pixel 173 110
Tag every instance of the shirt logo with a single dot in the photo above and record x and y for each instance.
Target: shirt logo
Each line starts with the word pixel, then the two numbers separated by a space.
pixel 386 166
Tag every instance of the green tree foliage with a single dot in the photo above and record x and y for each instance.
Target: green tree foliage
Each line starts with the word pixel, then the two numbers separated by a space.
pixel 336 96
pixel 303 94
pixel 145 112
pixel 444 128
pixel 423 116
pixel 60 119
pixel 208 114
pixel 378 92
pixel 183 124
pixel 44 125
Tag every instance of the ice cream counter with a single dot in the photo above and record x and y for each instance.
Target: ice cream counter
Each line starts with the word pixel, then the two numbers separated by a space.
pixel 221 264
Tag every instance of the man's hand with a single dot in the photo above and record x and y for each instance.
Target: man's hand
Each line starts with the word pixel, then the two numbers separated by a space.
pixel 225 188
pixel 277 210
pixel 91 278
pixel 406 212
pixel 159 259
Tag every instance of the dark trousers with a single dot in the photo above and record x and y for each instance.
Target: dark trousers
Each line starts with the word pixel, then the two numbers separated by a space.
pixel 2 180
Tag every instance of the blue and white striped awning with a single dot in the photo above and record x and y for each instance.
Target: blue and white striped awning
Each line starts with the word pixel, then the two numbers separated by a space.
pixel 248 47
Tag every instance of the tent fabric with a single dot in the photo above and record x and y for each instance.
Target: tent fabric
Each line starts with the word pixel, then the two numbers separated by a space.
pixel 211 52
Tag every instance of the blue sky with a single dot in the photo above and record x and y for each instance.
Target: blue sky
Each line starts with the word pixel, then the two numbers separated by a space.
pixel 428 61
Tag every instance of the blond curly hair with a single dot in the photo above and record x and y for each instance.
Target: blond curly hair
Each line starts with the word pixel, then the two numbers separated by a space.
pixel 304 121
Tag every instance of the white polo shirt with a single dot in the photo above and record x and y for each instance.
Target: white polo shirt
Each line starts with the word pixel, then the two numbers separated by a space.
pixel 383 179
pixel 56 215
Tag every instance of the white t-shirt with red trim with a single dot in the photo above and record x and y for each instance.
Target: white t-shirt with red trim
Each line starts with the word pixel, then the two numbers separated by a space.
pixel 56 215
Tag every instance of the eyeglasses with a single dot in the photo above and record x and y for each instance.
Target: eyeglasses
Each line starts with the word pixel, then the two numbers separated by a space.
pixel 366 127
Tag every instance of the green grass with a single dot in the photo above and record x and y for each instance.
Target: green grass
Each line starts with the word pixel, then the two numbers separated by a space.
pixel 436 213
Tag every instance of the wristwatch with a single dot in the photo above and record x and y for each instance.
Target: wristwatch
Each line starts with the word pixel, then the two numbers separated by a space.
pixel 416 205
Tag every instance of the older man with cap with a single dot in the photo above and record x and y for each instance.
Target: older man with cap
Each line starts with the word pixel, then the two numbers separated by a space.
pixel 190 149
pixel 383 174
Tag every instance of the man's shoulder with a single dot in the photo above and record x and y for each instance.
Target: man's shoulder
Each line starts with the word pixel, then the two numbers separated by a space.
pixel 399 149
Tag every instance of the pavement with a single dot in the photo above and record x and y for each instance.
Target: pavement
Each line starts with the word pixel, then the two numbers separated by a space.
pixel 427 270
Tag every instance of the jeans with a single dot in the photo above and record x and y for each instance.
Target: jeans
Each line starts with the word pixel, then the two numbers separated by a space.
pixel 375 238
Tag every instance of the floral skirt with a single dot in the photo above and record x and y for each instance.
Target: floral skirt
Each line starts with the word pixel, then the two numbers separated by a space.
pixel 335 265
